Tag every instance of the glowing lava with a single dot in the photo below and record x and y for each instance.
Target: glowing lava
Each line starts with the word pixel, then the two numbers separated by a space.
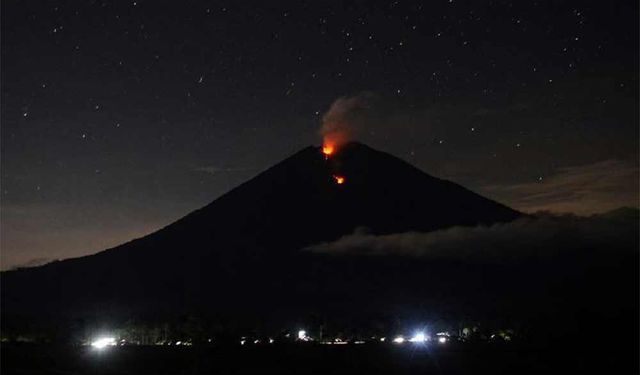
pixel 328 149
pixel 339 180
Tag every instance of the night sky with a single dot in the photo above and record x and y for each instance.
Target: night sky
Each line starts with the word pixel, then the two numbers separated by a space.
pixel 119 117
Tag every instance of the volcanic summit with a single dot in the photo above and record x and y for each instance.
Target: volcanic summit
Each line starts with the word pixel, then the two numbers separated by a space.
pixel 253 233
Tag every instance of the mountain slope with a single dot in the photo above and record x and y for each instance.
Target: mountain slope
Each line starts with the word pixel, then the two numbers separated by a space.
pixel 250 234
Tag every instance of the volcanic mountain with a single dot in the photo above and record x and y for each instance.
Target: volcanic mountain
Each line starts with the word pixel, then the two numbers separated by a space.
pixel 244 248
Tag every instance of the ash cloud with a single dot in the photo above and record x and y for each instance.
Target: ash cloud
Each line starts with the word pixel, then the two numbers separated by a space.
pixel 542 237
pixel 346 117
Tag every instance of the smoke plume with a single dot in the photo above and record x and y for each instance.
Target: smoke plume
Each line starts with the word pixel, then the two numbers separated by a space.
pixel 345 117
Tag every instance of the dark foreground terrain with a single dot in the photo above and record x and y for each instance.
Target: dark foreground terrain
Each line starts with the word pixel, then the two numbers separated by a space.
pixel 316 359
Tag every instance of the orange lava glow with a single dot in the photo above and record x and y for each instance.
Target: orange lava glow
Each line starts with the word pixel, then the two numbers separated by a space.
pixel 327 149
pixel 339 180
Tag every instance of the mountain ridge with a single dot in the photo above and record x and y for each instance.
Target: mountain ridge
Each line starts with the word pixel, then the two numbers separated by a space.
pixel 254 231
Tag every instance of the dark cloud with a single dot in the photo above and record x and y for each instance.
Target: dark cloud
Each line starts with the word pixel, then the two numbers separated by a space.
pixel 584 189
pixel 540 237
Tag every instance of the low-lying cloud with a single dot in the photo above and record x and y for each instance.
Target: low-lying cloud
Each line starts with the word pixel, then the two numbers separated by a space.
pixel 584 189
pixel 540 237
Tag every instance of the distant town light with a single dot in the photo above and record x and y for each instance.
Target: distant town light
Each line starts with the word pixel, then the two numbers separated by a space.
pixel 103 342
pixel 419 337
pixel 442 339
pixel 398 340
pixel 302 334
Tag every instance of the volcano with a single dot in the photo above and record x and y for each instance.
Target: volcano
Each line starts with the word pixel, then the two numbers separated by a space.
pixel 243 251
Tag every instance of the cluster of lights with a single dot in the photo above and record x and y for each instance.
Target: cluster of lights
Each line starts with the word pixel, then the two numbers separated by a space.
pixel 245 340
pixel 104 342
pixel 418 337
pixel 177 343
pixel 398 340
pixel 183 343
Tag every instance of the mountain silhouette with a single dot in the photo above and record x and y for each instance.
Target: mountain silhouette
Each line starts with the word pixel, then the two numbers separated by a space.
pixel 243 251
